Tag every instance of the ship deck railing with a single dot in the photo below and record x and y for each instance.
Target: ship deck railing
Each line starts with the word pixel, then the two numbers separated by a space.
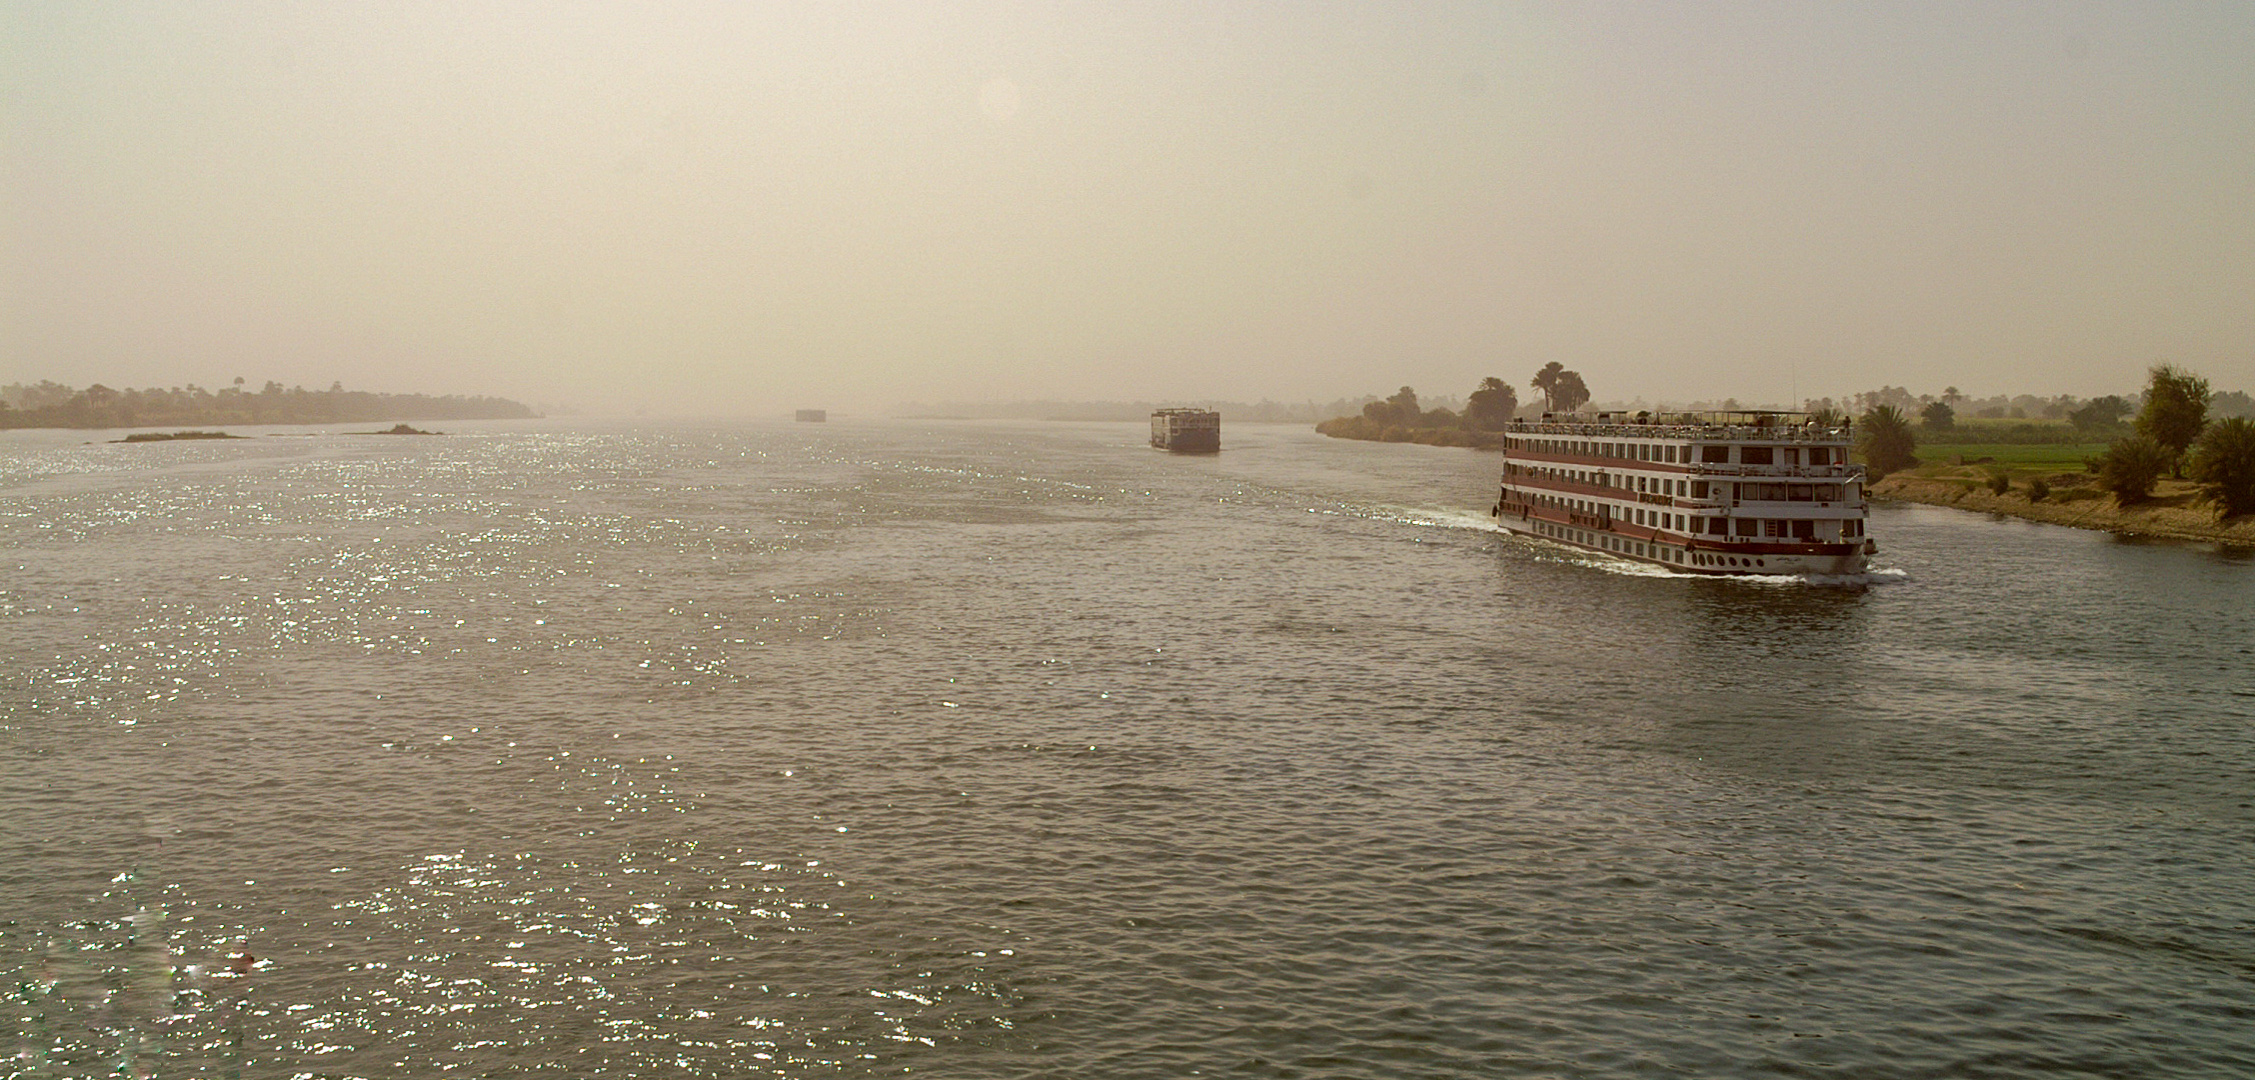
pixel 1665 429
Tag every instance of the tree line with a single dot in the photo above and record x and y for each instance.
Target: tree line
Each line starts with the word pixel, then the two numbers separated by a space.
pixel 54 405
pixel 1488 409
pixel 1940 412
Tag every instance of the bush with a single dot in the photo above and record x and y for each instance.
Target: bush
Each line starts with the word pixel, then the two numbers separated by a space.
pixel 2000 482
pixel 2130 467
pixel 2038 491
pixel 2223 462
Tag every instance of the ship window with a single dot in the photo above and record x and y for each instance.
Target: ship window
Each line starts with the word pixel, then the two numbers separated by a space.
pixel 1749 527
pixel 1754 455
pixel 1718 526
pixel 1820 455
pixel 1773 527
pixel 1715 454
pixel 1669 453
pixel 1699 489
pixel 1804 529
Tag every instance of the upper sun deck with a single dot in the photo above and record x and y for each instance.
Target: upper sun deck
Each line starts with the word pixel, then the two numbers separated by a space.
pixel 1748 426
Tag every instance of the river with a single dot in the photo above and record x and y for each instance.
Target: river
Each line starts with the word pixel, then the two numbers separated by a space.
pixel 1022 750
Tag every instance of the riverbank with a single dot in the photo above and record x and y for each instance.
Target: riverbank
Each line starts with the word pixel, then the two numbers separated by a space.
pixel 2175 511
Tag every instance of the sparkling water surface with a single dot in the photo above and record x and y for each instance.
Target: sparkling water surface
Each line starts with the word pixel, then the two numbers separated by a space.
pixel 1022 750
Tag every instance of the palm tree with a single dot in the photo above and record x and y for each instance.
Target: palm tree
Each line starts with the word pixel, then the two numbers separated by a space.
pixel 1884 438
pixel 1562 390
pixel 1546 381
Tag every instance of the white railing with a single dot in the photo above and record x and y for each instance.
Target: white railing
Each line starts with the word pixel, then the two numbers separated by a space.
pixel 1802 433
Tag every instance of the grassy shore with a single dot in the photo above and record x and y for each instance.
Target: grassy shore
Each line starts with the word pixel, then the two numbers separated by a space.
pixel 1960 475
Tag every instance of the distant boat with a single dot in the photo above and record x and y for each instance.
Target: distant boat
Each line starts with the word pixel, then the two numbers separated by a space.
pixel 1186 431
pixel 813 416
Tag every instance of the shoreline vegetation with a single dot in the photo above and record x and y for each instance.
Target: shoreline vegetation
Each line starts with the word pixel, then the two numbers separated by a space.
pixel 2169 471
pixel 53 405
pixel 1487 411
pixel 1368 430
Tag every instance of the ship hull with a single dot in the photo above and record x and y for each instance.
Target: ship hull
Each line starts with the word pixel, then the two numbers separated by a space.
pixel 1701 557
pixel 1192 443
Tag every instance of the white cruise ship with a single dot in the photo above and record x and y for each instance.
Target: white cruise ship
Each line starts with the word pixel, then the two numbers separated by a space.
pixel 1708 493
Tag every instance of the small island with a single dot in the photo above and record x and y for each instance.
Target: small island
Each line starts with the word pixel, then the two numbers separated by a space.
pixel 400 429
pixel 169 436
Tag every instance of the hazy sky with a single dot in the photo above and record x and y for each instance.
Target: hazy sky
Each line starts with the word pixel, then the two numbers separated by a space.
pixel 726 207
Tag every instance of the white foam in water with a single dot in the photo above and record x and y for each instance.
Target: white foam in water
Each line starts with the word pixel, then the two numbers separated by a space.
pixel 1447 519
pixel 1884 576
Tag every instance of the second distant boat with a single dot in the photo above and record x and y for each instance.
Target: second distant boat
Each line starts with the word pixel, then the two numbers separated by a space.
pixel 1186 431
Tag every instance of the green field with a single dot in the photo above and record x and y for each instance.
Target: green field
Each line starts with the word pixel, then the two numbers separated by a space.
pixel 2017 457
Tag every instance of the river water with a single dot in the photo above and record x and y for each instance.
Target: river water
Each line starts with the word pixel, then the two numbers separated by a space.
pixel 1022 750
